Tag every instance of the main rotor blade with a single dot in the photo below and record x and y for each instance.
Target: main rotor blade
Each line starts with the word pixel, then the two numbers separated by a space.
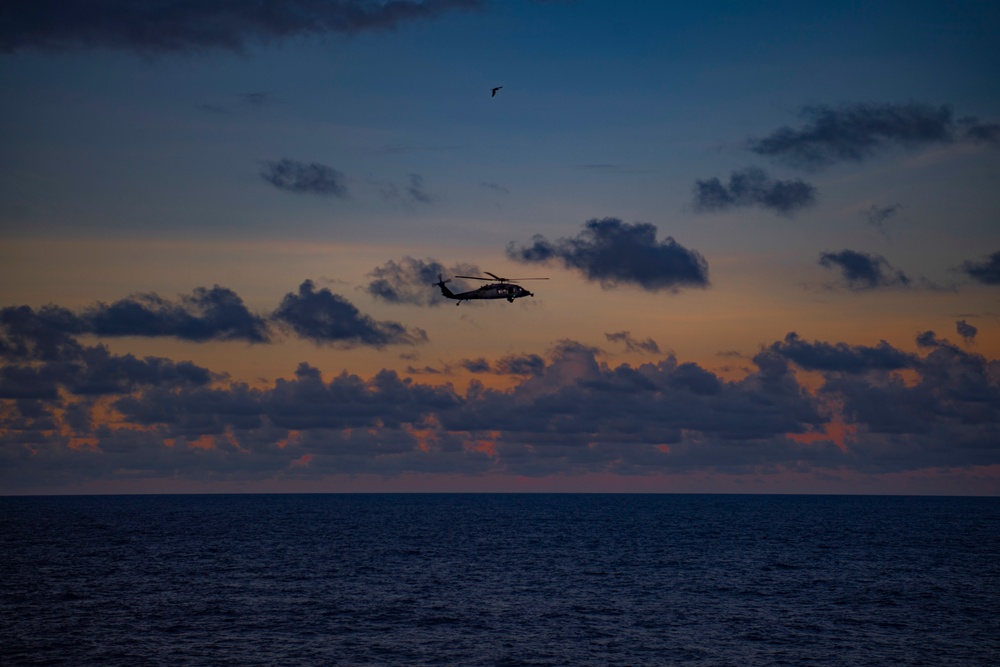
pixel 498 278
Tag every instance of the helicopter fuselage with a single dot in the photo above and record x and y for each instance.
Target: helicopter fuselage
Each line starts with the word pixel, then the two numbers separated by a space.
pixel 492 291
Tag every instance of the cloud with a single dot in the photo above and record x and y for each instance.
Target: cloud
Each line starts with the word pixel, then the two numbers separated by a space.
pixel 966 331
pixel 216 314
pixel 147 27
pixel 930 339
pixel 632 344
pixel 571 414
pixel 410 280
pixel 877 216
pixel 986 271
pixel 855 132
pixel 480 365
pixel 327 318
pixel 42 358
pixel 426 370
pixel 303 178
pixel 101 372
pixel 862 271
pixel 520 364
pixel 44 335
pixel 820 356
pixel 495 187
pixel 947 416
pixel 615 253
pixel 207 314
pixel 753 187
pixel 982 133
pixel 414 193
pixel 576 408
pixel 416 190
pixel 513 364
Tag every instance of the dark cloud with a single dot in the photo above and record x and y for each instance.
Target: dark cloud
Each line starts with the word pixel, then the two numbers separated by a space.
pixel 149 27
pixel 495 187
pixel 303 178
pixel 410 280
pixel 982 133
pixel 426 370
pixel 207 314
pixel 44 335
pixel 633 344
pixel 614 253
pixel 840 357
pixel 854 132
pixel 479 365
pixel 196 412
pixel 753 187
pixel 862 271
pixel 513 364
pixel 324 317
pixel 930 339
pixel 216 314
pixel 520 364
pixel 571 414
pixel 349 401
pixel 414 193
pixel 101 372
pixel 877 216
pixel 966 331
pixel 43 358
pixel 948 416
pixel 986 271
pixel 417 192
pixel 23 382
pixel 575 404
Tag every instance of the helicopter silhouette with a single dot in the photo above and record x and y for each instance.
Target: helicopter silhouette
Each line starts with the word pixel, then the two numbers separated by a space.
pixel 499 288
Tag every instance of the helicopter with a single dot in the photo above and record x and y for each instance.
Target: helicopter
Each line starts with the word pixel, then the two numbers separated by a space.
pixel 499 288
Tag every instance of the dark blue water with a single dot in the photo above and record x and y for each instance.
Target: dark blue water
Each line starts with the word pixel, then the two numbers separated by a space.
pixel 499 580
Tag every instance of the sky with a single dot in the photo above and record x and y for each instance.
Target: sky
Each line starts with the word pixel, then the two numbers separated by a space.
pixel 770 233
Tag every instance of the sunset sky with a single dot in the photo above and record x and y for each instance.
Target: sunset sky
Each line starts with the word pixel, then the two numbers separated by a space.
pixel 771 233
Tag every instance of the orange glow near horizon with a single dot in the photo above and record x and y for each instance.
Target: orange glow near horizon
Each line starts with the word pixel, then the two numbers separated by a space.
pixel 291 440
pixel 89 443
pixel 835 430
pixel 303 461
pixel 206 442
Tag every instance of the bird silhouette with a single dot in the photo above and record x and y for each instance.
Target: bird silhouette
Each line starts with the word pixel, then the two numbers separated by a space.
pixel 495 91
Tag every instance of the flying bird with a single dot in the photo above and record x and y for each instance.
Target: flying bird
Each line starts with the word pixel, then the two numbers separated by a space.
pixel 494 94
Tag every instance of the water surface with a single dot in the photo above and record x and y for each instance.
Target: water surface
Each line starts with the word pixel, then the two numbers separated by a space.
pixel 499 580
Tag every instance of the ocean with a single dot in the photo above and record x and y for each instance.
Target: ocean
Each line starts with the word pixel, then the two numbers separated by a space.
pixel 499 579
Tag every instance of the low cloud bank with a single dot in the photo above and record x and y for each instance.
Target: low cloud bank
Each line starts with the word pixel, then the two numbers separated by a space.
pixel 72 413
